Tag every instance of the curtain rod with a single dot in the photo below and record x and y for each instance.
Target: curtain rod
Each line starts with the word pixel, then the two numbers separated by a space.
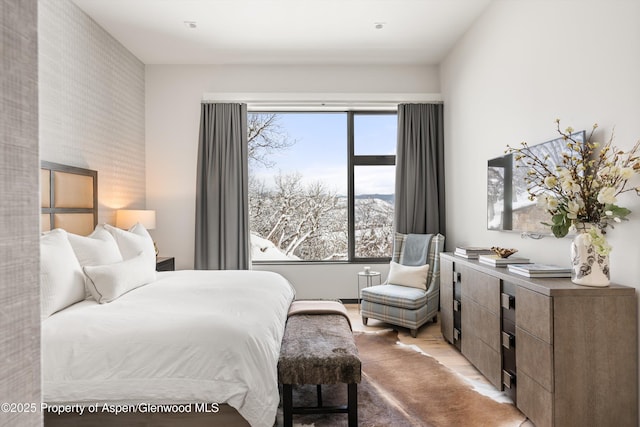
pixel 283 101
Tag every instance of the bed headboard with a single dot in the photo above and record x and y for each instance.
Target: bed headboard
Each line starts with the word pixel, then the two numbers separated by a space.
pixel 69 198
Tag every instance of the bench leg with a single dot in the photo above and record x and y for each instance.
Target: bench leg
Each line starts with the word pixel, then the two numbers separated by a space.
pixel 352 392
pixel 319 392
pixel 287 405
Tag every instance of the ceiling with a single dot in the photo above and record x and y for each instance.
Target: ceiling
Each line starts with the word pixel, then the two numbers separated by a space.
pixel 286 31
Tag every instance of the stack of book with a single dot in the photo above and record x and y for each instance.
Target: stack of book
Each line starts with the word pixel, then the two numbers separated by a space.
pixel 497 261
pixel 539 270
pixel 472 252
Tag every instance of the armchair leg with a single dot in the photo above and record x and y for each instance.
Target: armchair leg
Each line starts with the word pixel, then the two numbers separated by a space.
pixel 365 320
pixel 414 333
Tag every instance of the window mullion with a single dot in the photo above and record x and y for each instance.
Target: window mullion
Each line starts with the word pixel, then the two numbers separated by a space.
pixel 351 188
pixel 381 160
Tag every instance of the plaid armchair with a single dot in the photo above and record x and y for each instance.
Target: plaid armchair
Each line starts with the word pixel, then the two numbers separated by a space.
pixel 402 305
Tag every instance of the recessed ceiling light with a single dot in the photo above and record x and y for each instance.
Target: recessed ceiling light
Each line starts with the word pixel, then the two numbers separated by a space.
pixel 379 25
pixel 191 24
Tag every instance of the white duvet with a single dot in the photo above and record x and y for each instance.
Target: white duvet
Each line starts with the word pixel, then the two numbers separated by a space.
pixel 189 337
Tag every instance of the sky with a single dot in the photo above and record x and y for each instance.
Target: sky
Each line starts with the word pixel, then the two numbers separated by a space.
pixel 320 152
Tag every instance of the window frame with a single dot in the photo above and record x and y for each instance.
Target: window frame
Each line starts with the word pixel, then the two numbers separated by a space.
pixel 353 160
pixel 361 160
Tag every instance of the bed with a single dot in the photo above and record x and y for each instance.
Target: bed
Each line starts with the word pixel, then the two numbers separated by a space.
pixel 205 342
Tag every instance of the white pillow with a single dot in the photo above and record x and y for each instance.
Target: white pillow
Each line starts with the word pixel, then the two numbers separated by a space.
pixel 108 282
pixel 98 248
pixel 404 275
pixel 61 278
pixel 133 242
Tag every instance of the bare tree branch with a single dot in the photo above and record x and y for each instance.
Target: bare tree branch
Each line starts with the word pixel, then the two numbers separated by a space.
pixel 265 136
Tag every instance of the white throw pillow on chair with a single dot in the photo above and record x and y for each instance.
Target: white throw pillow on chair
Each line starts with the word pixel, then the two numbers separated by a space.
pixel 405 275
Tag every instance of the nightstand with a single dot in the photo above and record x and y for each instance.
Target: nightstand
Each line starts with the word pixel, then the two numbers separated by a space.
pixel 165 263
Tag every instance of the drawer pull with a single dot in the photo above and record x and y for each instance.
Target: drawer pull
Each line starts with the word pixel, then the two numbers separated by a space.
pixel 508 340
pixel 456 334
pixel 458 276
pixel 457 305
pixel 507 301
pixel 508 379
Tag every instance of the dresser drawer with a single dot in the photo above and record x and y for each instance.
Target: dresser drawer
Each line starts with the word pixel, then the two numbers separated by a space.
pixel 534 401
pixel 535 314
pixel 483 357
pixel 482 288
pixel 535 358
pixel 482 323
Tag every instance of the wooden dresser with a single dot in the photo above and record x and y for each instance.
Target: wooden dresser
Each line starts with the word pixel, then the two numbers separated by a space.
pixel 575 348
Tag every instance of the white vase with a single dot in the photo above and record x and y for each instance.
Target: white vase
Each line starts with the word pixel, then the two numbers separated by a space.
pixel 588 267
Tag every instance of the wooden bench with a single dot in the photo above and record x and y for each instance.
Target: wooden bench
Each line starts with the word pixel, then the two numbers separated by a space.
pixel 319 349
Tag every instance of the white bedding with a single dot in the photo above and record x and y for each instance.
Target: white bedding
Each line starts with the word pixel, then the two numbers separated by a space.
pixel 191 336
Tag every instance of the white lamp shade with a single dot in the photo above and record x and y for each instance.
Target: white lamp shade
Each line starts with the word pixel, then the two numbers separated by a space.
pixel 126 218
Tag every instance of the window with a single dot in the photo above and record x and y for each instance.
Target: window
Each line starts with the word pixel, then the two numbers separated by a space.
pixel 321 185
pixel 373 159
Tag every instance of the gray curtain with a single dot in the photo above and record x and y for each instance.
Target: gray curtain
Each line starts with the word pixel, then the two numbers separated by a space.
pixel 222 206
pixel 420 206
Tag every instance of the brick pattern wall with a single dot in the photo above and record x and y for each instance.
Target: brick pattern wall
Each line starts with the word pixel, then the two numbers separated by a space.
pixel 92 106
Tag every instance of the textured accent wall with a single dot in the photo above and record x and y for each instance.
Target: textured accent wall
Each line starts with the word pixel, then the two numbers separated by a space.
pixel 19 217
pixel 92 102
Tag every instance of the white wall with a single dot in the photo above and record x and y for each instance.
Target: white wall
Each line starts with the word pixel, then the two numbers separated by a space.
pixel 523 64
pixel 327 281
pixel 173 95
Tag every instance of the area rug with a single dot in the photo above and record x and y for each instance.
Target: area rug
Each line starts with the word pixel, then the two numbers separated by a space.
pixel 404 387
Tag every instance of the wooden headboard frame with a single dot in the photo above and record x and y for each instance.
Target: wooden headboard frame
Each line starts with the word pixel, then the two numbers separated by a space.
pixel 69 198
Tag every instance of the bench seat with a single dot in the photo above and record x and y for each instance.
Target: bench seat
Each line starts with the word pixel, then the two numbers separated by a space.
pixel 318 349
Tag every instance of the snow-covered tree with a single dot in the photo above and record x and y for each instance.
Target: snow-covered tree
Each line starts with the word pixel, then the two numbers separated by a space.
pixel 291 219
pixel 301 220
pixel 373 228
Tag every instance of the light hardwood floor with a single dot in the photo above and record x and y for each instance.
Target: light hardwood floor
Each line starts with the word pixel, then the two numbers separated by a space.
pixel 430 341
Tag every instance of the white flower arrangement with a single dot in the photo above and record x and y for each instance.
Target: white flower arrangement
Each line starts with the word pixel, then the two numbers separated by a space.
pixel 584 188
